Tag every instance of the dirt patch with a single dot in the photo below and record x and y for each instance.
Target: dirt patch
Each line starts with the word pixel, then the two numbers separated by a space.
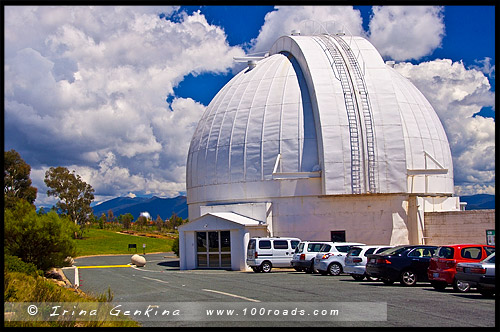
pixel 151 235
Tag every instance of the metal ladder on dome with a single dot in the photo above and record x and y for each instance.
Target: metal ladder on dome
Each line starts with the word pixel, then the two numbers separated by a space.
pixel 366 110
pixel 351 106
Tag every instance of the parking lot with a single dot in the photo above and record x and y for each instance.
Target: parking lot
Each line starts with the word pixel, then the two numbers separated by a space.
pixel 161 281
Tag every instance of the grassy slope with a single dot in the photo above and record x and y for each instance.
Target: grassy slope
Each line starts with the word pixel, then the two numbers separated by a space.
pixel 106 242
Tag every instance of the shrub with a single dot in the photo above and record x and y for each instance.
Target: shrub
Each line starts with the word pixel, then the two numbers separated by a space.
pixel 15 264
pixel 175 246
pixel 44 240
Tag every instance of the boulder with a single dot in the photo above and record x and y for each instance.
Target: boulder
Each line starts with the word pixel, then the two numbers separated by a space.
pixel 138 260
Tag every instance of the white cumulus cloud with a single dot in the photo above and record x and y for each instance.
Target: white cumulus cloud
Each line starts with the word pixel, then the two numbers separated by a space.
pixel 406 32
pixel 457 94
pixel 86 88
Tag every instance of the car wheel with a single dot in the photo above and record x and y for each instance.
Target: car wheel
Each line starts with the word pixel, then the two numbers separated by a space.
pixel 387 282
pixel 408 278
pixel 358 277
pixel 266 267
pixel 461 286
pixel 334 269
pixel 255 269
pixel 298 269
pixel 439 285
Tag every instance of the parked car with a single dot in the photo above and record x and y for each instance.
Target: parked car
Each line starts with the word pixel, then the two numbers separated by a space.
pixel 355 261
pixel 479 275
pixel 442 267
pixel 264 253
pixel 331 257
pixel 303 258
pixel 406 263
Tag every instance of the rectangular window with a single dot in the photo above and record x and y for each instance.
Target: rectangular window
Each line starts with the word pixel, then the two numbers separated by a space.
pixel 213 241
pixel 265 244
pixel 280 244
pixel 225 241
pixel 201 240
pixel 337 236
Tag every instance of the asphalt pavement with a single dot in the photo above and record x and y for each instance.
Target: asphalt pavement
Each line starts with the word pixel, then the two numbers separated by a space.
pixel 161 287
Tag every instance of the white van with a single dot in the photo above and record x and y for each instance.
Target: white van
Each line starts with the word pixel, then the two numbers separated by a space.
pixel 264 253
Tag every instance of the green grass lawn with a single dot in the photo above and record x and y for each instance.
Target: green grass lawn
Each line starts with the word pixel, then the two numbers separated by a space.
pixel 107 242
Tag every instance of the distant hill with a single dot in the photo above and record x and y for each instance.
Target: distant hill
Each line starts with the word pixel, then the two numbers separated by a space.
pixel 164 207
pixel 479 202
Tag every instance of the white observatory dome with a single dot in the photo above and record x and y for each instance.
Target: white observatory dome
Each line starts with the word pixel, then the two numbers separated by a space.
pixel 320 115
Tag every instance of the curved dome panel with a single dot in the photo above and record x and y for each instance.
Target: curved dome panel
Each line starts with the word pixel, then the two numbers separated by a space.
pixel 259 115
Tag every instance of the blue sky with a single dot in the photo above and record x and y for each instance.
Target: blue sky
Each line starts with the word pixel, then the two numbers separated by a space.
pixel 115 93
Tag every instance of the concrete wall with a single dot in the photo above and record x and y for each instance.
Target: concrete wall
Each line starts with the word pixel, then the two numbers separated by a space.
pixel 455 227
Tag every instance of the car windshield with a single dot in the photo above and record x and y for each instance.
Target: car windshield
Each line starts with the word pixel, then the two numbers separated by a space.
pixel 490 259
pixel 489 250
pixel 393 251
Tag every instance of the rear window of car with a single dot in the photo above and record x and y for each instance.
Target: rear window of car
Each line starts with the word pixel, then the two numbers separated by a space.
pixel 471 252
pixel 294 243
pixel 325 248
pixel 445 252
pixel 369 251
pixel 355 251
pixel 251 244
pixel 264 244
pixel 343 248
pixel 280 244
pixel 314 247
pixel 421 252
pixel 299 248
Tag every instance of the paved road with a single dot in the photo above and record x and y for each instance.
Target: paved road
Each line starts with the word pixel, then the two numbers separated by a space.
pixel 161 282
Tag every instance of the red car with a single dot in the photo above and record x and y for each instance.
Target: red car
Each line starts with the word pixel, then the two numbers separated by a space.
pixel 442 267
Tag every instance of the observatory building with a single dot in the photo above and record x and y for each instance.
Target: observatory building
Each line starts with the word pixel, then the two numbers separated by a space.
pixel 321 140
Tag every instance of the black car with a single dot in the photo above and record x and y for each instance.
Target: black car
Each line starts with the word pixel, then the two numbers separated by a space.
pixel 406 263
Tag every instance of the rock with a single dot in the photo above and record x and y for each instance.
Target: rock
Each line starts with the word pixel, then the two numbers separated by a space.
pixel 138 261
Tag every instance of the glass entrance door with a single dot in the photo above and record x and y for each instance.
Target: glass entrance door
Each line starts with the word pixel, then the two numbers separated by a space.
pixel 214 249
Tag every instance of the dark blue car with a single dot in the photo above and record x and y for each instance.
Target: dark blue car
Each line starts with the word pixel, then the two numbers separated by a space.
pixel 407 264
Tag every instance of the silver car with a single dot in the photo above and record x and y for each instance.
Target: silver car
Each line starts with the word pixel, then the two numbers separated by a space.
pixel 355 261
pixel 479 275
pixel 331 257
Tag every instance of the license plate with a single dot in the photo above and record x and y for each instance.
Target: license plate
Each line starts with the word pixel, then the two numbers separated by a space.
pixel 435 275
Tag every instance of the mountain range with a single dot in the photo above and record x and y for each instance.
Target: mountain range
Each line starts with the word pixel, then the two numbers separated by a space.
pixel 164 207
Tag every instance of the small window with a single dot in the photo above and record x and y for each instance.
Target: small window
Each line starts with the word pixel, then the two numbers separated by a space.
pixel 314 247
pixel 251 244
pixel 294 243
pixel 264 244
pixel 337 236
pixel 300 248
pixel 445 252
pixel 471 252
pixel 280 244
pixel 369 251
